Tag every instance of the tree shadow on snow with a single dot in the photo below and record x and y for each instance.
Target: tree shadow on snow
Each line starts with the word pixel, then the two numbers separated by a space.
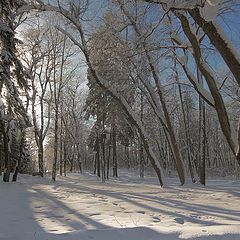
pixel 40 214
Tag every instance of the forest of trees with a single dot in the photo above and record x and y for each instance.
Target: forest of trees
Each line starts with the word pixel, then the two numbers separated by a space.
pixel 144 85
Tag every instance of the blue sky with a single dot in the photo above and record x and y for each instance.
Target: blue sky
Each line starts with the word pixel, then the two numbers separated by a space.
pixel 230 23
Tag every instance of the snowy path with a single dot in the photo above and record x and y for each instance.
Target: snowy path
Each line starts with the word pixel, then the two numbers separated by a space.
pixel 81 207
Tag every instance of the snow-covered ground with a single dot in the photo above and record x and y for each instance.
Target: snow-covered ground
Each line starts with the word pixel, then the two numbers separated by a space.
pixel 81 207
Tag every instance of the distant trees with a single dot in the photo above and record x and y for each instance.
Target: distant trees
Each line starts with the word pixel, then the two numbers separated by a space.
pixel 153 35
pixel 46 56
pixel 37 57
pixel 109 57
pixel 73 129
pixel 139 107
pixel 206 29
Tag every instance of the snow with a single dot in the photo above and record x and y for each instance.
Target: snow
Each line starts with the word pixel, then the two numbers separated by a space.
pixel 1 107
pixel 4 27
pixel 81 207
pixel 210 9
pixel 226 39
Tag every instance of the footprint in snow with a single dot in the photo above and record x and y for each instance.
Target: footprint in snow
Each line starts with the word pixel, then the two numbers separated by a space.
pixel 142 212
pixel 156 219
pixel 118 211
pixel 128 212
pixel 179 220
pixel 195 216
pixel 94 214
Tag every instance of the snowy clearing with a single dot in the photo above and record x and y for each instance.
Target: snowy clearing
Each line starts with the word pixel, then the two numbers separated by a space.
pixel 80 207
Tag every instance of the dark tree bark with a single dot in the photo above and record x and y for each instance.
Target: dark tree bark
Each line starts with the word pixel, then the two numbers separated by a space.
pixel 61 147
pixel 202 167
pixel 114 145
pixel 21 154
pixel 97 156
pixel 109 156
pixel 7 164
pixel 141 154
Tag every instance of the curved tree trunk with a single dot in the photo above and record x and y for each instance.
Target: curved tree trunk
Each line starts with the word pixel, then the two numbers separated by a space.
pixel 221 44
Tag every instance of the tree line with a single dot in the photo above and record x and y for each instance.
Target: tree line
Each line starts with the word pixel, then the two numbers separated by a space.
pixel 162 93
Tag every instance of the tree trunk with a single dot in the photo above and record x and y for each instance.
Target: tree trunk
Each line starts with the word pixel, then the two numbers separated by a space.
pixel 212 84
pixel 203 150
pixel 202 136
pixel 186 131
pixel 127 154
pixel 94 163
pixel 103 158
pixel 114 144
pixel 79 159
pixel 97 149
pixel 108 159
pixel 219 43
pixel 1 157
pixel 141 158
pixel 61 147
pixel 7 165
pixel 65 158
pixel 40 158
pixel 14 179
pixel 125 106
pixel 54 169
pixel 141 155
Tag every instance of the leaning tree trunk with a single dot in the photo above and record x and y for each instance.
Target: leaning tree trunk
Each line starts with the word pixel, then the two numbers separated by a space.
pixel 154 71
pixel 132 118
pixel 112 92
pixel 211 82
pixel 221 44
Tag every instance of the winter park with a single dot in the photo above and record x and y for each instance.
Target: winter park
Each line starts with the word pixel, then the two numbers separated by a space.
pixel 119 119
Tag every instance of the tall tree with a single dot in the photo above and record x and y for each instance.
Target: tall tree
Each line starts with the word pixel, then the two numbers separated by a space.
pixel 12 76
